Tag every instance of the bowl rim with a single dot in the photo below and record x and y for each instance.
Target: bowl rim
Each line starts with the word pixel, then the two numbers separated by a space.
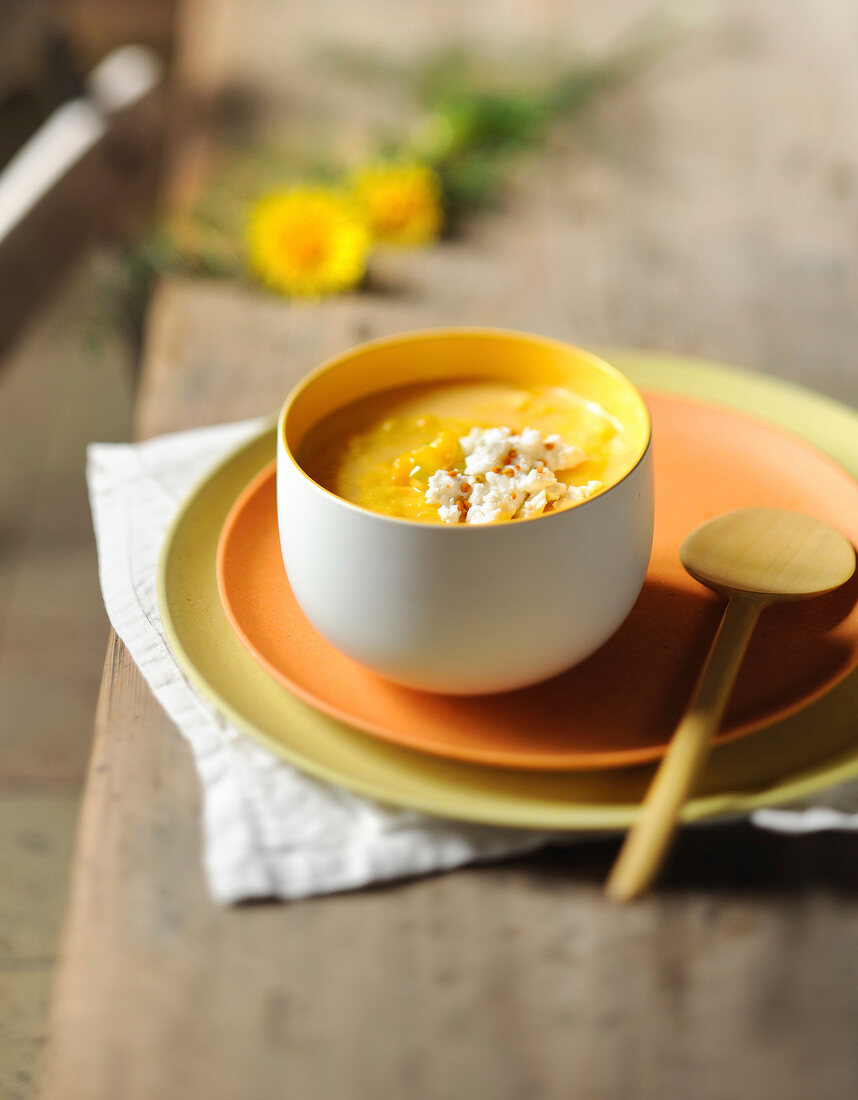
pixel 445 332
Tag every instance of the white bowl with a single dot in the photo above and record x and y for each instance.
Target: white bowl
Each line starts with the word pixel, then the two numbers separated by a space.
pixel 458 608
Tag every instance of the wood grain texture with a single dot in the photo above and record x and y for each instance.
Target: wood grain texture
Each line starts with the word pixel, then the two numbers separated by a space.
pixel 709 209
pixel 58 390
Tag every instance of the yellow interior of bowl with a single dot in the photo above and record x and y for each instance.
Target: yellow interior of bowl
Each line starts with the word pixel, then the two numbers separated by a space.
pixel 446 355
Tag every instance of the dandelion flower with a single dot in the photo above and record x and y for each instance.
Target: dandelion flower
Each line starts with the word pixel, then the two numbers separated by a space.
pixel 308 241
pixel 401 202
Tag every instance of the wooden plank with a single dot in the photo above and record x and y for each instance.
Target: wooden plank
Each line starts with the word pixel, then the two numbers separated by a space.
pixel 52 624
pixel 710 211
pixel 36 837
pixel 52 635
pixel 509 981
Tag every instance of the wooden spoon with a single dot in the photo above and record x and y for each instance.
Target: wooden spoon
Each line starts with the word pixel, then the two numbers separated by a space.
pixel 754 557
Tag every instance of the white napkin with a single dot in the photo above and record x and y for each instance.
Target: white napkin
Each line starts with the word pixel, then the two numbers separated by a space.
pixel 269 830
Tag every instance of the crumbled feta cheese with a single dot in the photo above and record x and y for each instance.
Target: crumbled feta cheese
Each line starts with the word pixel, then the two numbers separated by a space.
pixel 507 476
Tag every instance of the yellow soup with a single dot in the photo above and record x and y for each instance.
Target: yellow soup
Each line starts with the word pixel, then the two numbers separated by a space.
pixel 380 451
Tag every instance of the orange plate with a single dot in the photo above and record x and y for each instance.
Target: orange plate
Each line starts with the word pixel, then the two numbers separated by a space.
pixel 620 706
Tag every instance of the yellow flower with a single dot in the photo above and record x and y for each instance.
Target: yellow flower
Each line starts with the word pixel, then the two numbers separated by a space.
pixel 308 241
pixel 401 202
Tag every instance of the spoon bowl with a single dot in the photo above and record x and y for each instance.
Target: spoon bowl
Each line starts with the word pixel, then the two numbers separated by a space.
pixel 754 557
pixel 768 553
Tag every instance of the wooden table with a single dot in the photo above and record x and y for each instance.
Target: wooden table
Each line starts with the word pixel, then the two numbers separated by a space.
pixel 710 209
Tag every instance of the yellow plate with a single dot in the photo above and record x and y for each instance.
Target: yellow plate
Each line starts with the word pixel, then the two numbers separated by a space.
pixel 790 759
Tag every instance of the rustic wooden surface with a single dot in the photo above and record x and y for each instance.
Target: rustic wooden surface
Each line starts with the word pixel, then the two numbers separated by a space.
pixel 58 390
pixel 708 209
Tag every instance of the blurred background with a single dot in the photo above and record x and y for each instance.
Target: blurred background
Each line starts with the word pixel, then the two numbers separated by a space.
pixel 708 203
pixel 77 182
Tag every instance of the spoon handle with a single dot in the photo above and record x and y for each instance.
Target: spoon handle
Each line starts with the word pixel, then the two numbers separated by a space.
pixel 647 841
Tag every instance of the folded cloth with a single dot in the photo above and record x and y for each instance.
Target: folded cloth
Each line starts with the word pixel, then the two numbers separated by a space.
pixel 268 829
